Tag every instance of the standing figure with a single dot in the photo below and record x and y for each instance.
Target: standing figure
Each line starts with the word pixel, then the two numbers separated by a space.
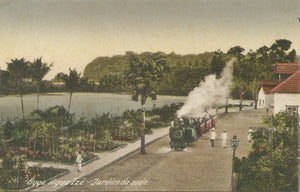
pixel 78 161
pixel 213 136
pixel 250 134
pixel 224 138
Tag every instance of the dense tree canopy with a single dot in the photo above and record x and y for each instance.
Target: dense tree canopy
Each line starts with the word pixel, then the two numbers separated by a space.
pixel 105 74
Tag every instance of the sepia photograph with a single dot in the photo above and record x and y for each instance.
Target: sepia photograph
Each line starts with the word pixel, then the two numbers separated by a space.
pixel 150 95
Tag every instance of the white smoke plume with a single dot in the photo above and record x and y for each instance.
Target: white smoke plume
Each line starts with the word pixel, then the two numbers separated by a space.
pixel 209 93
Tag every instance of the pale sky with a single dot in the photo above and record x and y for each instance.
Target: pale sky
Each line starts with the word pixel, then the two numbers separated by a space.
pixel 72 33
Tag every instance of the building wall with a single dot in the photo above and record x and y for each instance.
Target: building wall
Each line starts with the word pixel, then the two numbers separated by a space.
pixel 264 100
pixel 283 99
pixel 269 101
pixel 261 99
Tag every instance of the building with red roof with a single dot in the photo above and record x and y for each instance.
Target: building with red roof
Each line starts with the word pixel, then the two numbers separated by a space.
pixel 285 70
pixel 287 93
pixel 265 97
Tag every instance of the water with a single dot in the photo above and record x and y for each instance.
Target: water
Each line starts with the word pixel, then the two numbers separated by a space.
pixel 83 104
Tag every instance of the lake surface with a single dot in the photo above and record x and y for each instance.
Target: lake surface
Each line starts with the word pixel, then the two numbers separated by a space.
pixel 83 104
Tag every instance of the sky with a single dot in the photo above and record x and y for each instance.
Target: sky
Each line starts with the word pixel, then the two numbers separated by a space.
pixel 72 33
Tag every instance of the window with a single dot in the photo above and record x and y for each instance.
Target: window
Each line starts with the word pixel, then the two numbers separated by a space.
pixel 292 109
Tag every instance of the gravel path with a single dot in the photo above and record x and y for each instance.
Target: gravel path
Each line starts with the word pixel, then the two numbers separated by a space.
pixel 197 168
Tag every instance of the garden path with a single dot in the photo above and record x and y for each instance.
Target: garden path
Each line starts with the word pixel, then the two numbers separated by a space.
pixel 106 159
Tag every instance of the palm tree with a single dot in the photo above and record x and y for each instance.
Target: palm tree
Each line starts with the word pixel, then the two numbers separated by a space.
pixel 72 82
pixel 38 70
pixel 144 74
pixel 18 70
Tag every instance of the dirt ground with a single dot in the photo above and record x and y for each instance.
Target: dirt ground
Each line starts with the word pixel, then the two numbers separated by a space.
pixel 197 168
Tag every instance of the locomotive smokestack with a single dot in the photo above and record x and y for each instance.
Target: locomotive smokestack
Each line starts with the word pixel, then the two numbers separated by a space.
pixel 209 93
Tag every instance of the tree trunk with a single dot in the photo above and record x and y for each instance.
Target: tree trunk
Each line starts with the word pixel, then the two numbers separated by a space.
pixel 70 102
pixel 240 105
pixel 38 94
pixel 226 107
pixel 44 140
pixel 255 103
pixel 22 106
pixel 142 128
pixel 53 149
pixel 241 99
pixel 34 144
pixel 94 140
pixel 49 147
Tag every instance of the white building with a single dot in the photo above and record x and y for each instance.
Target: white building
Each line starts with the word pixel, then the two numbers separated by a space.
pixel 265 97
pixel 287 95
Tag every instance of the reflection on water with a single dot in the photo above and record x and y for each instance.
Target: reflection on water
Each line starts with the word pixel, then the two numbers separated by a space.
pixel 83 104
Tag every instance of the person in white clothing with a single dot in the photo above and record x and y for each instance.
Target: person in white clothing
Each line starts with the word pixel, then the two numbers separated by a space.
pixel 224 138
pixel 249 137
pixel 213 136
pixel 79 161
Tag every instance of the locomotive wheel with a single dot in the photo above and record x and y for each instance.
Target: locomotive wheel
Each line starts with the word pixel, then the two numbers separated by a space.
pixel 177 134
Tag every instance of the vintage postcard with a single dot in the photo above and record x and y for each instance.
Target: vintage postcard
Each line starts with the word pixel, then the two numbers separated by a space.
pixel 149 95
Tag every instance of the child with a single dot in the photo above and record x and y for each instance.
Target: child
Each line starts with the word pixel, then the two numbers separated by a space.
pixel 78 161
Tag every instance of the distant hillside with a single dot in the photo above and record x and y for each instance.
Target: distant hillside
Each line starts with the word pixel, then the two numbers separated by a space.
pixel 102 66
pixel 115 65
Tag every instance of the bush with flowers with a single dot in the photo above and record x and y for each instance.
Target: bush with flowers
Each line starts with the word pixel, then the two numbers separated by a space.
pixel 15 174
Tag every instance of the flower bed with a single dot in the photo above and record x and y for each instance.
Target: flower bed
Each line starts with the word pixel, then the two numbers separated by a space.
pixel 122 138
pixel 89 147
pixel 16 179
pixel 63 157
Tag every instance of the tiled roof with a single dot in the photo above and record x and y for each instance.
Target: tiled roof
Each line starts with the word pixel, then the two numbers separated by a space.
pixel 287 68
pixel 268 83
pixel 268 86
pixel 290 85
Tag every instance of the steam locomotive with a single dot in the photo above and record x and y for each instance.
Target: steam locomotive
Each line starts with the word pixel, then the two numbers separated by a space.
pixel 184 131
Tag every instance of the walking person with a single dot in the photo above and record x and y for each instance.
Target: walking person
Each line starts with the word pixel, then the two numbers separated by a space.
pixel 79 161
pixel 213 136
pixel 224 138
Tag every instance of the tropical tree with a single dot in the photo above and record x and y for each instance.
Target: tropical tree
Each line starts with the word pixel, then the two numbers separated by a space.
pixel 59 77
pixel 144 75
pixel 18 70
pixel 4 82
pixel 278 52
pixel 38 70
pixel 254 91
pixel 37 129
pixel 239 72
pixel 72 82
pixel 58 118
pixel 100 125
pixel 217 63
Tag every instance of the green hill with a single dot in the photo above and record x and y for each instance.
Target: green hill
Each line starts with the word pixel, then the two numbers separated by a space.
pixel 102 66
pixel 105 66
